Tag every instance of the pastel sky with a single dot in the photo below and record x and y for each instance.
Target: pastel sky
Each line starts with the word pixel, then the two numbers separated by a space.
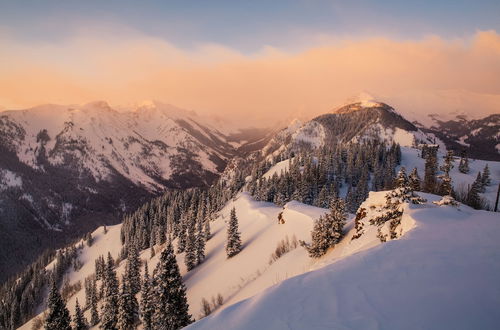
pixel 266 58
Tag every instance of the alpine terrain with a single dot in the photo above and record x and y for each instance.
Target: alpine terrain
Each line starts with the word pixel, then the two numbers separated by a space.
pixel 357 218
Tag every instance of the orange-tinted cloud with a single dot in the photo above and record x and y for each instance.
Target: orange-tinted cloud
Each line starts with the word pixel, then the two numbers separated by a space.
pixel 429 75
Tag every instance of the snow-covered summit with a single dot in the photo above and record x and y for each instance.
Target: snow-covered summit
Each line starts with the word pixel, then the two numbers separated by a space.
pixel 364 119
pixel 363 99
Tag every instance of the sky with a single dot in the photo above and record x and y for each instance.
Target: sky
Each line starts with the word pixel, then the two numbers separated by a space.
pixel 264 59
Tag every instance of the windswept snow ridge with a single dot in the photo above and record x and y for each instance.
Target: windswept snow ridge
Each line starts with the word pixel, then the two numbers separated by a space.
pixel 444 273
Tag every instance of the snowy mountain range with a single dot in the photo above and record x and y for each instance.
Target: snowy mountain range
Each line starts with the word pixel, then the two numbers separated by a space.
pixel 66 169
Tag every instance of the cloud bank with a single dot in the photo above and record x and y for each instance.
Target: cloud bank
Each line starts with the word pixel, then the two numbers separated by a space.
pixel 429 75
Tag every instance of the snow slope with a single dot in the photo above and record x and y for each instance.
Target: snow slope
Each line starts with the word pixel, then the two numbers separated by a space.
pixel 278 169
pixel 237 278
pixel 442 274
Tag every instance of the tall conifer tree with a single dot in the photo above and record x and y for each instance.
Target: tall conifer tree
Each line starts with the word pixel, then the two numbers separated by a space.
pixel 171 306
pixel 233 243
pixel 109 309
pixel 58 315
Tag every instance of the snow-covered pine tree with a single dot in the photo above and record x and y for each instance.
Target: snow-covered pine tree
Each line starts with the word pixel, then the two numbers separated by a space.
pixel 233 244
pixel 206 229
pixel 147 302
pixel 328 229
pixel 171 306
pixel 100 265
pixel 109 309
pixel 79 321
pixel 414 180
pixel 486 180
pixel 88 291
pixel 480 183
pixel 200 241
pixel 430 169
pixel 132 270
pixel 448 162
pixel 58 315
pixel 128 309
pixel 463 167
pixel 191 242
pixel 350 199
pixel 445 186
pixel 322 200
pixel 94 314
pixel 182 233
pixel 362 187
pixel 402 179
pixel 473 198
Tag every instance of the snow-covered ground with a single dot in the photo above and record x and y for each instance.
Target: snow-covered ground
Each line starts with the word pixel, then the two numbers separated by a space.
pixel 278 168
pixel 237 278
pixel 443 274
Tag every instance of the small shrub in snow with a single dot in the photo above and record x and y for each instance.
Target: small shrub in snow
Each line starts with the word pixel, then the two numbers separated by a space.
pixel 381 236
pixel 284 246
pixel 281 220
pixel 205 307
pixel 208 308
pixel 358 225
pixel 220 300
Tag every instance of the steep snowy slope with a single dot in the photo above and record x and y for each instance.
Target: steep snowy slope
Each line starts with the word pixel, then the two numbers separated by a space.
pixel 442 274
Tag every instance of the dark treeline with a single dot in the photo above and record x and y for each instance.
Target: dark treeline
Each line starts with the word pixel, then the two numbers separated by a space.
pixel 178 214
pixel 20 296
pixel 317 177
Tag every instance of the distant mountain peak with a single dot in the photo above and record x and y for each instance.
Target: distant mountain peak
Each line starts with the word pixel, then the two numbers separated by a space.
pixel 361 101
pixel 362 105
